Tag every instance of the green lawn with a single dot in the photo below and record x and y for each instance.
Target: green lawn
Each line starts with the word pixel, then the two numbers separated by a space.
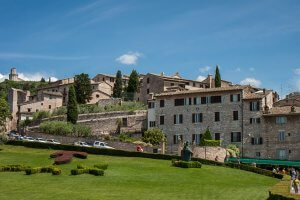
pixel 126 178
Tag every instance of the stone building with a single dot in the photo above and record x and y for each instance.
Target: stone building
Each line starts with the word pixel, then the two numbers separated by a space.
pixel 233 115
pixel 110 79
pixel 152 84
pixel 13 76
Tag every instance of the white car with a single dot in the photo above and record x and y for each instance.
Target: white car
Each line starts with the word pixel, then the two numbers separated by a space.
pixel 99 144
pixel 82 144
pixel 40 140
pixel 29 139
pixel 52 141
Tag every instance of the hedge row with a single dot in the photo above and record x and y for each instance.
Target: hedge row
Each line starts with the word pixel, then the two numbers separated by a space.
pixel 115 152
pixel 185 164
pixel 97 170
pixel 212 143
pixel 13 168
pixel 48 169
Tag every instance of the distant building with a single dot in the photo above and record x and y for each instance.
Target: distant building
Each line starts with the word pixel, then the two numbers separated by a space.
pixel 13 76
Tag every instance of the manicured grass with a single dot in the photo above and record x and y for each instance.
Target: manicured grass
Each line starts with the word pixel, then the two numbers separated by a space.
pixel 126 178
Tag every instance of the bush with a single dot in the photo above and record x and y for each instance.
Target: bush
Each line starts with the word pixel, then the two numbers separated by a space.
pixel 79 171
pixel 13 168
pixel 65 129
pixel 38 116
pixel 185 164
pixel 154 136
pixel 212 143
pixel 101 166
pixel 63 157
pixel 33 170
pixel 81 166
pixel 56 171
pixel 96 172
pixel 48 169
pixel 233 150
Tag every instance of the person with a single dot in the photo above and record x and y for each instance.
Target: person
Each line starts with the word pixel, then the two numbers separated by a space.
pixel 274 170
pixel 296 185
pixel 293 174
pixel 139 148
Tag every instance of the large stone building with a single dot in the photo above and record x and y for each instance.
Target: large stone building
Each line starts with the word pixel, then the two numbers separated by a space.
pixel 240 115
pixel 13 76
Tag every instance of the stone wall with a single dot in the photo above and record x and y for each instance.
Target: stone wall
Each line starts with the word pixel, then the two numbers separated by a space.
pixel 104 102
pixel 70 140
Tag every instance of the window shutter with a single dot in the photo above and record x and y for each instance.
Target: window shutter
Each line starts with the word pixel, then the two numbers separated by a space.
pixel 252 141
pixel 193 118
pixel 180 119
pixel 174 139
pixel 195 101
pixel 258 120
pixel 174 119
pixel 231 98
pixel 190 101
pixel 201 117
pixel 250 106
pixel 239 97
pixel 239 136
pixel 231 136
pixel 250 120
pixel 260 140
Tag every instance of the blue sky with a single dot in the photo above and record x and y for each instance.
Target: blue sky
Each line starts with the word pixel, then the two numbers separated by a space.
pixel 254 41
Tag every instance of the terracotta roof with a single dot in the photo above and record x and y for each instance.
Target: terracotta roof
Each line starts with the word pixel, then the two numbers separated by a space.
pixel 285 110
pixel 172 78
pixel 203 90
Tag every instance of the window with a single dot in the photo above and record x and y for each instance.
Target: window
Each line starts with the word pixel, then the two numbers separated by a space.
pixel 179 102
pixel 257 154
pixel 217 136
pixel 93 87
pixel 148 91
pixel 103 79
pixel 254 120
pixel 152 124
pixel 162 103
pixel 162 120
pixel 151 104
pixel 190 101
pixel 194 84
pixel 215 99
pixel 254 106
pixel 97 95
pixel 281 120
pixel 235 115
pixel 281 136
pixel 204 100
pixel 197 100
pixel 196 138
pixel 217 116
pixel 197 117
pixel 111 79
pixel 178 119
pixel 148 80
pixel 177 138
pixel 281 154
pixel 49 106
pixel 172 84
pixel 42 104
pixel 124 121
pixel 256 140
pixel 37 110
pixel 236 137
pixel 235 97
pixel 182 85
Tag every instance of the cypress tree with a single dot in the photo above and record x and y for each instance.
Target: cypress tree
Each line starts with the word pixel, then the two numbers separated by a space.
pixel 83 88
pixel 206 136
pixel 118 86
pixel 217 77
pixel 72 108
pixel 43 80
pixel 4 113
pixel 133 84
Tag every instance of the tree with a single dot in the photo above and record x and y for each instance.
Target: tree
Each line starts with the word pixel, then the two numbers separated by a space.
pixel 206 136
pixel 43 80
pixel 133 84
pixel 154 136
pixel 217 77
pixel 4 113
pixel 72 107
pixel 83 88
pixel 118 86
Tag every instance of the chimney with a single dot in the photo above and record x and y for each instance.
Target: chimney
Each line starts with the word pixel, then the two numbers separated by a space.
pixel 209 80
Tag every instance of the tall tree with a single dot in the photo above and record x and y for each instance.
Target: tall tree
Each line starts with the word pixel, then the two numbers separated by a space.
pixel 217 77
pixel 133 84
pixel 43 80
pixel 206 136
pixel 83 88
pixel 4 113
pixel 72 107
pixel 118 86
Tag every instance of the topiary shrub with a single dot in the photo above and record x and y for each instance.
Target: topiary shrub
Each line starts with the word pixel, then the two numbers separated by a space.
pixel 185 164
pixel 63 157
pixel 48 169
pixel 13 168
pixel 56 171
pixel 96 172
pixel 101 166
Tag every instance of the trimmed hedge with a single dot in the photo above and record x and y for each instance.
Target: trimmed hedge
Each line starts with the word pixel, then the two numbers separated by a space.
pixel 101 166
pixel 63 157
pixel 98 170
pixel 13 168
pixel 185 164
pixel 48 169
pixel 115 152
pixel 212 143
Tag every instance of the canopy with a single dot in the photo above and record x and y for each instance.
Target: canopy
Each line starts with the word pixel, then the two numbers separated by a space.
pixel 266 161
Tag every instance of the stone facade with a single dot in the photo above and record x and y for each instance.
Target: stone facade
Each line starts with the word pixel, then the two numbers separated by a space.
pixel 13 76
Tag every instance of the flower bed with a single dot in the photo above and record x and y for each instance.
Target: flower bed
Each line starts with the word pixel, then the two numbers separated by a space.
pixel 63 157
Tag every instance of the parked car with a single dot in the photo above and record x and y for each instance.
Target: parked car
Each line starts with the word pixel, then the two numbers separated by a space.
pixel 12 134
pixel 82 144
pixel 40 140
pixel 104 145
pixel 19 137
pixel 29 139
pixel 52 141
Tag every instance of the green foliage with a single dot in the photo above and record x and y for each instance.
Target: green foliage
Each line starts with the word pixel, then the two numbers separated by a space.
pixel 101 166
pixel 65 129
pixel 185 164
pixel 72 108
pixel 212 143
pixel 59 111
pixel 13 168
pixel 43 80
pixel 124 137
pixel 38 116
pixel 3 138
pixel 83 88
pixel 97 170
pixel 118 86
pixel 133 84
pixel 206 136
pixel 233 150
pixel 48 169
pixel 217 77
pixel 154 136
pixel 4 112
pixel 25 123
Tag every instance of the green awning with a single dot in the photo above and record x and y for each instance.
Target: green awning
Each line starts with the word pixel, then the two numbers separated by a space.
pixel 266 161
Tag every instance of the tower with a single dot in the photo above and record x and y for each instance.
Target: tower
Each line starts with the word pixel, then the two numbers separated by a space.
pixel 13 76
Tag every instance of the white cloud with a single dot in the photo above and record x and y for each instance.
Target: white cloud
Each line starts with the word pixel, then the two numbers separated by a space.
pixel 251 69
pixel 200 78
pixel 29 77
pixel 297 71
pixel 251 81
pixel 3 77
pixel 204 69
pixel 129 58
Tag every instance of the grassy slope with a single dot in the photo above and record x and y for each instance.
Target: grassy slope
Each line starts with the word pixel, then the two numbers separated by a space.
pixel 126 178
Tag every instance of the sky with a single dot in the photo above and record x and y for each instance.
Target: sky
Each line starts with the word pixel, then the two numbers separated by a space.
pixel 253 42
